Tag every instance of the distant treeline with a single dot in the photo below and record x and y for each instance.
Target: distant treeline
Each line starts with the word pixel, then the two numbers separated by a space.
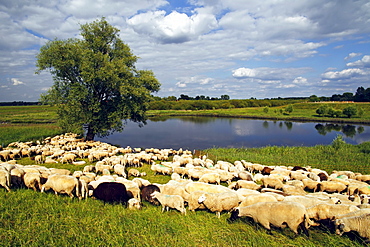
pixel 216 104
pixel 18 103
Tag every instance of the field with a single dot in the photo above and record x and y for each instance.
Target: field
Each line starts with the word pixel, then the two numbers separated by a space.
pixel 29 218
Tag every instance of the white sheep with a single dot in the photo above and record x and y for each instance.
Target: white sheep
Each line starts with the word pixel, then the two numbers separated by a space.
pixel 278 214
pixel 134 204
pixel 170 201
pixel 253 199
pixel 358 224
pixel 211 178
pixel 325 211
pixel 218 202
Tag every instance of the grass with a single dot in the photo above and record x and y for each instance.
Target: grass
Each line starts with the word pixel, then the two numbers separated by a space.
pixel 301 112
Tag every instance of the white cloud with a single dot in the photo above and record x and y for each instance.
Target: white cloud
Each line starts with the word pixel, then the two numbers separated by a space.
pixel 364 62
pixel 352 55
pixel 269 75
pixel 16 82
pixel 344 74
pixel 181 84
pixel 300 80
pixel 175 27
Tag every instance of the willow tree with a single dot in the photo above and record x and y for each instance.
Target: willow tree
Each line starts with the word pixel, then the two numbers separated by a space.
pixel 96 85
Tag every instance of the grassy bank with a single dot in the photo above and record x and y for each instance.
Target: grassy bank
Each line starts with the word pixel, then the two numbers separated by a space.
pixel 301 112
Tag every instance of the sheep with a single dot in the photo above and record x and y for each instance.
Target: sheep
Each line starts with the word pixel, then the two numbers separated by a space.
pixel 308 201
pixel 293 190
pixel 39 159
pixel 5 179
pixel 134 204
pixel 170 201
pixel 146 193
pixel 325 211
pixel 120 170
pixel 245 185
pixel 218 202
pixel 62 184
pixel 133 172
pixel 274 183
pixel 252 199
pixel 212 188
pixel 176 189
pixel 69 158
pixel 310 184
pixel 359 224
pixel 331 186
pixel 16 177
pixel 244 175
pixel 212 178
pixel 277 214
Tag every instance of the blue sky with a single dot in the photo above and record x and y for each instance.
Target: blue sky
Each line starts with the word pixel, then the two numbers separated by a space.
pixel 241 48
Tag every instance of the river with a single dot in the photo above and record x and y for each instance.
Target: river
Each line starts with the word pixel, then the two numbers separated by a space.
pixel 206 132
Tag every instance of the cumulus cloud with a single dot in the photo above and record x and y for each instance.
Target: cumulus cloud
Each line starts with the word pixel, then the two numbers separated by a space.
pixel 344 74
pixel 364 62
pixel 175 27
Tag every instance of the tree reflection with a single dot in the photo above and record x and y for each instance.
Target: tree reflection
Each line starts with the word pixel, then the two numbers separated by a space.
pixel 289 125
pixel 265 124
pixel 347 130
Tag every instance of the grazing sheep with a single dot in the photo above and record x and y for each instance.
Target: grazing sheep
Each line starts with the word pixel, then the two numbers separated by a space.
pixel 62 184
pixel 134 204
pixel 278 214
pixel 331 186
pixel 170 201
pixel 5 179
pixel 192 201
pixel 218 202
pixel 133 172
pixel 212 188
pixel 325 211
pixel 269 182
pixel 308 201
pixel 176 189
pixel 32 180
pixel 293 190
pixel 39 159
pixel 359 224
pixel 253 199
pixel 309 184
pixel 211 178
pixel 147 191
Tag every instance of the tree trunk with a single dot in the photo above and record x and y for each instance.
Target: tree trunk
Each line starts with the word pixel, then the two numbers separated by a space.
pixel 90 134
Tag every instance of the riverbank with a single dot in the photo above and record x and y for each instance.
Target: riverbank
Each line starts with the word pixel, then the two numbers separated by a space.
pixel 302 112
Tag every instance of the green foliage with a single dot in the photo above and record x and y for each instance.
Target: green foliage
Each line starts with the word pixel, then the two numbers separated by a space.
pixel 266 109
pixel 322 110
pixel 338 142
pixel 350 111
pixel 96 84
pixel 289 109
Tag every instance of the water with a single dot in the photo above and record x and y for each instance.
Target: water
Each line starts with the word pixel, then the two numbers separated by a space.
pixel 207 132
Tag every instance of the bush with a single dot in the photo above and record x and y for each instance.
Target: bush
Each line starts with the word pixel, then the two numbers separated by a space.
pixel 350 111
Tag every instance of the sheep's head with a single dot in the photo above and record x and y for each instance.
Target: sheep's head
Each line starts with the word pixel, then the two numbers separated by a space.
pixel 153 195
pixel 202 198
pixel 339 227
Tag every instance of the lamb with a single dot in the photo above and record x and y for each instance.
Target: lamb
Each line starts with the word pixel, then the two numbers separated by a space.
pixel 358 224
pixel 170 201
pixel 218 202
pixel 324 211
pixel 277 214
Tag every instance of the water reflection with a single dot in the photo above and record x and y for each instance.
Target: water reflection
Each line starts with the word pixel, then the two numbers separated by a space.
pixel 207 132
pixel 346 129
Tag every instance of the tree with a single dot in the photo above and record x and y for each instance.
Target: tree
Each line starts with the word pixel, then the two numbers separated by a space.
pixel 289 109
pixel 225 97
pixel 96 84
pixel 322 110
pixel 350 111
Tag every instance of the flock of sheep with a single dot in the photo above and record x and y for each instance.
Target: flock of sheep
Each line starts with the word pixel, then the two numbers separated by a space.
pixel 297 197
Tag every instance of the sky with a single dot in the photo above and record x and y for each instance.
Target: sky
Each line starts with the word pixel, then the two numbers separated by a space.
pixel 241 48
